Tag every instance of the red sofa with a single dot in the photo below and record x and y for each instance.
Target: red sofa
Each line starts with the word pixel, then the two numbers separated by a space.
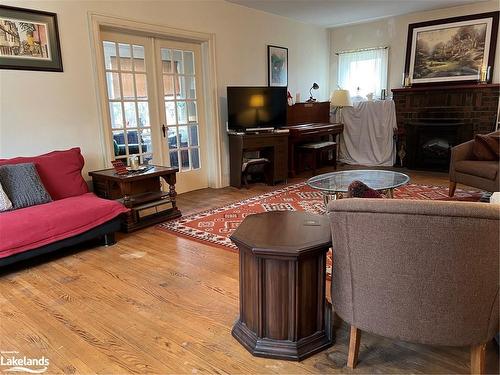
pixel 74 215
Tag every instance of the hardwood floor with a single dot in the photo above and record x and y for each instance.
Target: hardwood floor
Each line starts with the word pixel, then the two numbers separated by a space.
pixel 157 303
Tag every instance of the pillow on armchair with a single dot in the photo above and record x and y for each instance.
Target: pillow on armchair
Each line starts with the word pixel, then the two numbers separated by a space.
pixel 358 189
pixel 486 147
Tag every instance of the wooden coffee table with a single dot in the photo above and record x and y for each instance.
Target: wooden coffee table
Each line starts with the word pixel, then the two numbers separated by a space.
pixel 283 310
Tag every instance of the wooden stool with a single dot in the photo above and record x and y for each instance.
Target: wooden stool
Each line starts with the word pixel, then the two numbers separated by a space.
pixel 315 150
pixel 251 167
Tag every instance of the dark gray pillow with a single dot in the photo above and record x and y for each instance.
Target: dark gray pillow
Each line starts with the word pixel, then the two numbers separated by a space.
pixel 22 185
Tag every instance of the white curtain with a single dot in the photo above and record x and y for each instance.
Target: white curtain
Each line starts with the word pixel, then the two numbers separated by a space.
pixel 366 70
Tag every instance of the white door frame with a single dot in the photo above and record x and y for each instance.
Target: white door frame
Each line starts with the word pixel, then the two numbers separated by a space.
pixel 98 21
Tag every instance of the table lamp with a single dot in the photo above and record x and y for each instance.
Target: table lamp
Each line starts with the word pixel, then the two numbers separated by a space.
pixel 340 99
pixel 315 86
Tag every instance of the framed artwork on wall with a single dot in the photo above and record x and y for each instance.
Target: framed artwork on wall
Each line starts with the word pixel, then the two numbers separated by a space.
pixel 277 66
pixel 452 50
pixel 29 40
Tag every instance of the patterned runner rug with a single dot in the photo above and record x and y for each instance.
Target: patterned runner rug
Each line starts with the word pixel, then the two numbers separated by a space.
pixel 214 226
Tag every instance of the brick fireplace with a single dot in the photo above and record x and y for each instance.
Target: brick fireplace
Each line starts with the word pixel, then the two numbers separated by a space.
pixel 432 119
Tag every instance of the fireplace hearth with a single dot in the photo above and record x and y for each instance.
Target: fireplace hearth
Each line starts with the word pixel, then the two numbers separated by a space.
pixel 429 142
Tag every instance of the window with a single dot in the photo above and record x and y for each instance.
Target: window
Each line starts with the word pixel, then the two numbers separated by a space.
pixel 365 71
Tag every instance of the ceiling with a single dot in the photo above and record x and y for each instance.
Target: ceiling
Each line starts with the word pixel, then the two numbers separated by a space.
pixel 330 13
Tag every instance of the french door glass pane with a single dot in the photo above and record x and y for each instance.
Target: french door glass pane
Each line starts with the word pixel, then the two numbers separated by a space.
pixel 166 58
pixel 172 138
pixel 178 63
pixel 193 135
pixel 181 113
pixel 130 116
pixel 141 86
pixel 183 136
pixel 143 114
pixel 168 87
pixel 139 63
pixel 119 145
pixel 184 159
pixel 115 111
pixel 192 112
pixel 113 83
pixel 190 87
pixel 110 62
pixel 188 62
pixel 125 52
pixel 174 159
pixel 195 158
pixel 170 113
pixel 145 138
pixel 128 85
pixel 180 88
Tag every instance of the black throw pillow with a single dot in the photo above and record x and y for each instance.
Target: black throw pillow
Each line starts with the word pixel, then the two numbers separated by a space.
pixel 22 185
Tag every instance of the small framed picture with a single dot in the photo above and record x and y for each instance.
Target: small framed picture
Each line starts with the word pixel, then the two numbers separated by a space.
pixel 277 66
pixel 458 49
pixel 29 40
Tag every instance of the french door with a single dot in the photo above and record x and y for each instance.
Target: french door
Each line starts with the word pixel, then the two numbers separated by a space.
pixel 155 111
pixel 182 112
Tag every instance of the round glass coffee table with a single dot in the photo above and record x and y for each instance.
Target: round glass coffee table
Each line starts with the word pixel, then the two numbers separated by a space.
pixel 334 185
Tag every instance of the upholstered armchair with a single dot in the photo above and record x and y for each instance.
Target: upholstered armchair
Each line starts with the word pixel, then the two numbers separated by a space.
pixel 465 170
pixel 418 271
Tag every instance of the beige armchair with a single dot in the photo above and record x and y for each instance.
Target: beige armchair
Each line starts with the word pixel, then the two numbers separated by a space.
pixel 465 170
pixel 417 271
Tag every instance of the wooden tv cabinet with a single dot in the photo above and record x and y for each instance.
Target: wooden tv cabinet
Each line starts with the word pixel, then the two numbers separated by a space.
pixel 271 145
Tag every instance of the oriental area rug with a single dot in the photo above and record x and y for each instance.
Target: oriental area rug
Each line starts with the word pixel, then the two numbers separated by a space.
pixel 214 226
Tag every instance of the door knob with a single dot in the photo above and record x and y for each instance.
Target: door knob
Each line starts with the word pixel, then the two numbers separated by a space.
pixel 164 130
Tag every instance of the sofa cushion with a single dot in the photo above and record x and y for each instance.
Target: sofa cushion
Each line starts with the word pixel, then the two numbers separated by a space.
pixel 60 172
pixel 486 147
pixel 484 169
pixel 22 185
pixel 5 203
pixel 32 227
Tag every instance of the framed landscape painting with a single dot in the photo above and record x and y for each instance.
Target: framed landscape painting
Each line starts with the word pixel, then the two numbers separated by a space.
pixel 451 50
pixel 29 40
pixel 277 63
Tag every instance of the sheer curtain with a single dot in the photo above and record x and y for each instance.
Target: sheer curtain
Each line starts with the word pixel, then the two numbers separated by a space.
pixel 366 70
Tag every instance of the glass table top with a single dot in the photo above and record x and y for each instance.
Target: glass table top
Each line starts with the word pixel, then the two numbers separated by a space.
pixel 338 182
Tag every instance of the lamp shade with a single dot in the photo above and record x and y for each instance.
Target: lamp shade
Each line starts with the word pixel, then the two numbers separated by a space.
pixel 341 98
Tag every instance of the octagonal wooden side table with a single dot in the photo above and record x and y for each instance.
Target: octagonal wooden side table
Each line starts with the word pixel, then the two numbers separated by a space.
pixel 284 313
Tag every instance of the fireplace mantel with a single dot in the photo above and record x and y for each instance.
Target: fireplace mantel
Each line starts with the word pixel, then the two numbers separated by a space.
pixel 470 86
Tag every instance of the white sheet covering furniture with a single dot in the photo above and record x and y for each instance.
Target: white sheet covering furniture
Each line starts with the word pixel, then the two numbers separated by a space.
pixel 368 133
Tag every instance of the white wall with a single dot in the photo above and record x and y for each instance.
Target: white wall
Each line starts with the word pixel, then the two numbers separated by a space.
pixel 393 32
pixel 42 111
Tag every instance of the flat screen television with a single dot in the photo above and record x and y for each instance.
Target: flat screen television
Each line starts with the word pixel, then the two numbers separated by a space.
pixel 256 107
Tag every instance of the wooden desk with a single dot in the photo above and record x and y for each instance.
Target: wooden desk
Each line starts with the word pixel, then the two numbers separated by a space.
pixel 141 192
pixel 273 146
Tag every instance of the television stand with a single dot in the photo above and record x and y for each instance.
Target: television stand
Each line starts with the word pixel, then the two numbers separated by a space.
pixel 271 145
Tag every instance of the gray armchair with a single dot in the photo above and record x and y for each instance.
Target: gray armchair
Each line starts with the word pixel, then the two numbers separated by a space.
pixel 465 170
pixel 417 271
